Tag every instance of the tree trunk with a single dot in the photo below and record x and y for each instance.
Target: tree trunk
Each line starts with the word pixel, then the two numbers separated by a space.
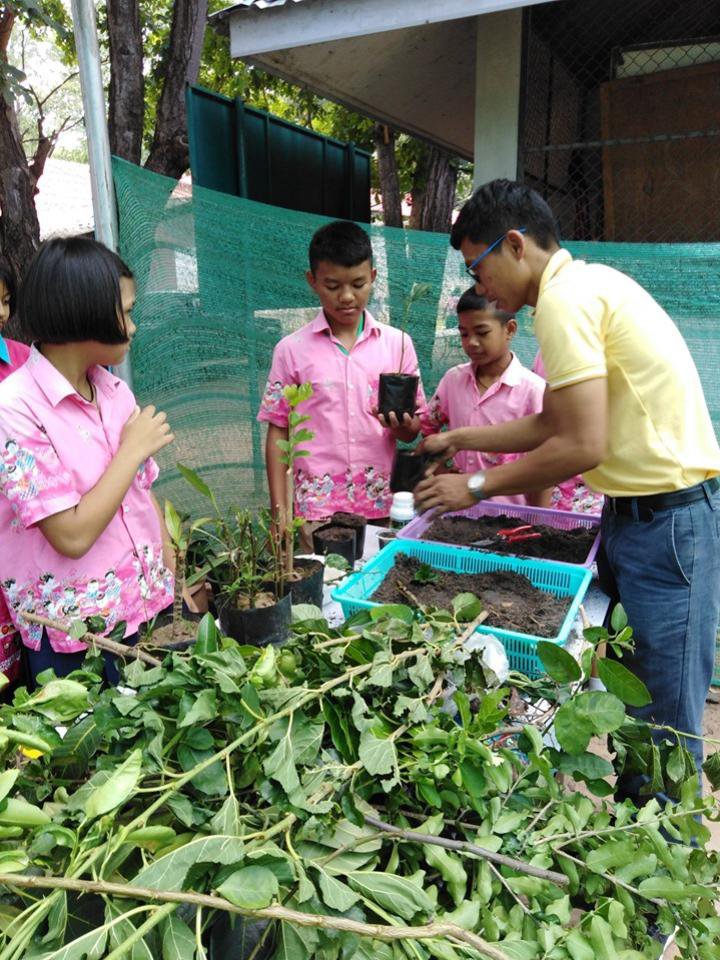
pixel 433 194
pixel 19 227
pixel 126 98
pixel 388 175
pixel 169 153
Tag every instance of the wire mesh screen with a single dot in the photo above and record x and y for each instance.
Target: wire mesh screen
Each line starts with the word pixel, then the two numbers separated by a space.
pixel 221 280
pixel 621 125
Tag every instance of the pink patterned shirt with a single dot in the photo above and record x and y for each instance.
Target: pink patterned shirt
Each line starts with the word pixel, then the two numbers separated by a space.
pixel 13 354
pixel 458 402
pixel 572 495
pixel 54 447
pixel 351 455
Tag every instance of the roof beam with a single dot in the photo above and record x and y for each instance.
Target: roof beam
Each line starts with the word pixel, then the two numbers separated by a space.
pixel 254 31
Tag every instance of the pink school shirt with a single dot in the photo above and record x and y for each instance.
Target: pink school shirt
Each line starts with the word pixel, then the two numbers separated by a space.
pixel 572 495
pixel 351 454
pixel 14 355
pixel 458 402
pixel 54 447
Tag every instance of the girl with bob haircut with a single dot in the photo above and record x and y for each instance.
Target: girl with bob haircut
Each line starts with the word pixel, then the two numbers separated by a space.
pixel 81 534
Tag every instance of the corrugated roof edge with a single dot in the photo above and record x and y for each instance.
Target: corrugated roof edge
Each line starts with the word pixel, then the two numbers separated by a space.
pixel 217 19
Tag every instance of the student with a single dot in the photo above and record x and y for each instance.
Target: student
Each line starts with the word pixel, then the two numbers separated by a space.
pixel 80 532
pixel 574 494
pixel 342 352
pixel 493 387
pixel 13 354
pixel 625 408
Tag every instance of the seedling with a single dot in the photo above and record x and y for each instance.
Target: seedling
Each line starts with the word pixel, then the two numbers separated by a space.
pixel 291 451
pixel 425 574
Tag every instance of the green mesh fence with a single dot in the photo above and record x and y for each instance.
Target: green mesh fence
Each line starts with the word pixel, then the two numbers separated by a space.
pixel 221 280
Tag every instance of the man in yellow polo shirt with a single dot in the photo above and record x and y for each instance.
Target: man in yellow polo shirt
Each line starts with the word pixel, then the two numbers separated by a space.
pixel 624 406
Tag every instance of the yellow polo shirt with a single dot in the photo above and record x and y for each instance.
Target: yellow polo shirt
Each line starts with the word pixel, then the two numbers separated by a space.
pixel 592 321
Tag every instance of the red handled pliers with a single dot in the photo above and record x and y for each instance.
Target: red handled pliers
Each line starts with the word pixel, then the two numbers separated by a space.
pixel 510 535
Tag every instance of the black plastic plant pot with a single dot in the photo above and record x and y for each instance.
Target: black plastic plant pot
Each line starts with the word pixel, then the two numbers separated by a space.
pixel 331 538
pixel 309 589
pixel 397 393
pixel 239 938
pixel 260 626
pixel 407 471
pixel 355 522
pixel 385 537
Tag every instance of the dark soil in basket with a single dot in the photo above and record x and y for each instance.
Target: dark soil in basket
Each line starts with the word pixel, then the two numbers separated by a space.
pixel 568 546
pixel 512 602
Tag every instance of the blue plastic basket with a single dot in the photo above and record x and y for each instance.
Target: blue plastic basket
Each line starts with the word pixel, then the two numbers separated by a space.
pixel 561 579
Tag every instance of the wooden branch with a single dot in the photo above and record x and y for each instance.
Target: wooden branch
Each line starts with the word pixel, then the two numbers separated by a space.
pixel 465 846
pixel 103 643
pixel 429 931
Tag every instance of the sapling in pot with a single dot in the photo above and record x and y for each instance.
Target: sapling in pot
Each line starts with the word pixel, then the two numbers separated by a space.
pixel 241 566
pixel 304 580
pixel 397 391
pixel 180 632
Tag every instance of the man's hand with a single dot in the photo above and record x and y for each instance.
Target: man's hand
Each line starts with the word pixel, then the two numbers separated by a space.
pixel 439 445
pixel 444 493
pixel 406 430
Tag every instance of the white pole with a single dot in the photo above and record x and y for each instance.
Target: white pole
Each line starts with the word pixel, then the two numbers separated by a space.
pixel 103 193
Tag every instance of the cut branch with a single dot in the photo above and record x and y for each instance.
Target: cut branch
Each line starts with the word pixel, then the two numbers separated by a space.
pixel 103 643
pixel 464 846
pixel 429 931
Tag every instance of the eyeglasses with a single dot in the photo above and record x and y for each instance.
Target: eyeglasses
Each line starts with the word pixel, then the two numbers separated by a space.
pixel 470 270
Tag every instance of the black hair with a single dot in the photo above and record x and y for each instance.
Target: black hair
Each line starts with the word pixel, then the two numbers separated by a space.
pixel 341 242
pixel 503 205
pixel 71 292
pixel 470 301
pixel 7 276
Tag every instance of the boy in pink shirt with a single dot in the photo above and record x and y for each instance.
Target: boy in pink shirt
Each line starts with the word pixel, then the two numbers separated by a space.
pixel 13 354
pixel 493 387
pixel 342 353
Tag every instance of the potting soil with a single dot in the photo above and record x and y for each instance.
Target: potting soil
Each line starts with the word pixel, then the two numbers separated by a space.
pixel 512 602
pixel 567 546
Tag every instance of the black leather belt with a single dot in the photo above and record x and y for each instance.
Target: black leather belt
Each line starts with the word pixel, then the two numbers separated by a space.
pixel 646 507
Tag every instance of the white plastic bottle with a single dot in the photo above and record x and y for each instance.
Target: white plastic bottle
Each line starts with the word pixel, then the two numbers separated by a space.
pixel 402 510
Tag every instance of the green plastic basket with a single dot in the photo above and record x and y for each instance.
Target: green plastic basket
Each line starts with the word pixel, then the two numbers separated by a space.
pixel 561 579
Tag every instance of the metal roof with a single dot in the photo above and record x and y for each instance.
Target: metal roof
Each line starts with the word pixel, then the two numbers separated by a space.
pixel 246 4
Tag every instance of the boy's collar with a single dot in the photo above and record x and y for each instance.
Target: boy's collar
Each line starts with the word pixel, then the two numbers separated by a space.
pixel 4 351
pixel 369 324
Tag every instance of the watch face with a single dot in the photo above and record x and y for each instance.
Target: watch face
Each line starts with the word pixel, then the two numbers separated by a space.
pixel 476 483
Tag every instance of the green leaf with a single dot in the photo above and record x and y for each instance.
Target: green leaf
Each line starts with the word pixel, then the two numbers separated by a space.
pixel 378 756
pixel 227 820
pixel 398 610
pixel 204 708
pixel 117 789
pixel 208 635
pixel 195 481
pixel 120 928
pixel 306 611
pixel 711 768
pixel 280 766
pixel 91 946
pixel 336 894
pixel 250 887
pixel 618 618
pixel 290 945
pixel 572 731
pixel 559 664
pixel 396 894
pixel 624 684
pixel 611 855
pixel 466 606
pixel 421 673
pixel 169 872
pixel 665 888
pixel 588 765
pixel 7 781
pixel 604 711
pixel 178 941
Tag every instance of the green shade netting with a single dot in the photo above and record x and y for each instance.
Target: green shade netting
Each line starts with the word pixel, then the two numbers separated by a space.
pixel 222 279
